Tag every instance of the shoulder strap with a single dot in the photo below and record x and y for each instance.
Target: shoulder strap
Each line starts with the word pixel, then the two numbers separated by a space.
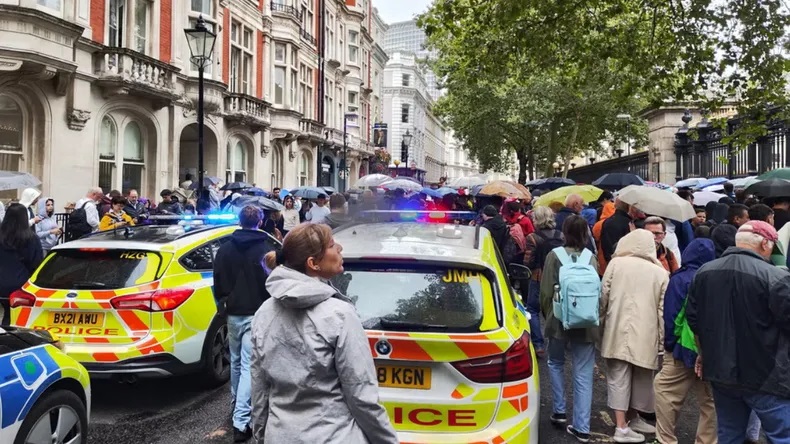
pixel 540 234
pixel 562 255
pixel 585 257
pixel 85 203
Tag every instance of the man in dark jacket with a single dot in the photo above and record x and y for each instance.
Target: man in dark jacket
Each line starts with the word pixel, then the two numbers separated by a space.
pixel 617 226
pixel 494 223
pixel 240 289
pixel 677 376
pixel 723 235
pixel 781 207
pixel 739 309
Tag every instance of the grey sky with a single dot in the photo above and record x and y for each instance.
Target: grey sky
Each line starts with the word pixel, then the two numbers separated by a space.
pixel 400 10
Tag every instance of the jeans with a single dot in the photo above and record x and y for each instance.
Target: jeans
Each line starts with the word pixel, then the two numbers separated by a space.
pixel 533 308
pixel 240 338
pixel 734 406
pixel 583 363
pixel 753 428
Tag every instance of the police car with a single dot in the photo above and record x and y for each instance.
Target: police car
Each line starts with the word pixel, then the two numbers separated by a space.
pixel 44 394
pixel 136 302
pixel 449 336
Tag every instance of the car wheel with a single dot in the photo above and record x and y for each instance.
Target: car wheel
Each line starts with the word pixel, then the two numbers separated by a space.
pixel 58 417
pixel 216 354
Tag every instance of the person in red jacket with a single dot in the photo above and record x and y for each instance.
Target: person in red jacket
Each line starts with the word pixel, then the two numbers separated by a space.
pixel 511 212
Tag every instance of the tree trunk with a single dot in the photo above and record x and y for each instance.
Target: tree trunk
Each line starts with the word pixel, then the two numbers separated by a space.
pixel 571 148
pixel 531 163
pixel 523 156
pixel 549 172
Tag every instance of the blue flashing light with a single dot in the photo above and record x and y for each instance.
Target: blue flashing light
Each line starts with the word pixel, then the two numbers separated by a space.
pixel 436 216
pixel 221 217
pixel 188 217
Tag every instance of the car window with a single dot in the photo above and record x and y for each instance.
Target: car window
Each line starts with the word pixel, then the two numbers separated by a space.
pixel 97 269
pixel 202 257
pixel 442 299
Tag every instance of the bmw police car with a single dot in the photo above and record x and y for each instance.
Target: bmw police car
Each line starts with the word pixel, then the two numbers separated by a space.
pixel 449 336
pixel 44 394
pixel 134 303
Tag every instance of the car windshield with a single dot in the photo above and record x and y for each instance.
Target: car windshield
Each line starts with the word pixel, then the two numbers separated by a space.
pixel 97 269
pixel 416 299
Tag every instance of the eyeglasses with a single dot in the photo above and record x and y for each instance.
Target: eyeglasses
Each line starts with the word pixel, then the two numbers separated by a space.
pixel 658 234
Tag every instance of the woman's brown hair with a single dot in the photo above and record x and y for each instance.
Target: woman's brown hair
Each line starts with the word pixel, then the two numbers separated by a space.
pixel 303 242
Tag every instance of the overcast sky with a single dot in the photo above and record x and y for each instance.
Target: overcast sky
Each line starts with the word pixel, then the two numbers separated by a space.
pixel 400 10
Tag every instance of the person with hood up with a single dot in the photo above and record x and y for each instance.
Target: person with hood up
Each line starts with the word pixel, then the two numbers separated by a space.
pixel 511 212
pixel 20 255
pixel 313 377
pixel 338 212
pixel 676 377
pixel 47 230
pixel 29 200
pixel 723 234
pixel 240 289
pixel 633 334
pixel 493 222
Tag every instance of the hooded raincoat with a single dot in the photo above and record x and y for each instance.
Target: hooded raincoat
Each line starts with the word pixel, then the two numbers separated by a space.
pixel 47 224
pixel 632 316
pixel 313 378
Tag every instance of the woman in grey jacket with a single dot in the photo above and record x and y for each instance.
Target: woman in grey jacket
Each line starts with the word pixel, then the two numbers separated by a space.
pixel 313 378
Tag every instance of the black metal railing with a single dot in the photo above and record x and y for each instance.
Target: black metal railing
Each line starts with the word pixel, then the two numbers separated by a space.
pixel 700 151
pixel 638 164
pixel 308 37
pixel 286 9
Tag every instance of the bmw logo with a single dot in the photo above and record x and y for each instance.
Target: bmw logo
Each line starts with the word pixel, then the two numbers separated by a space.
pixel 71 295
pixel 383 347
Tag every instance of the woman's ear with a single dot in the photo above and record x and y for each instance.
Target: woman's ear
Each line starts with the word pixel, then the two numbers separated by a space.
pixel 312 265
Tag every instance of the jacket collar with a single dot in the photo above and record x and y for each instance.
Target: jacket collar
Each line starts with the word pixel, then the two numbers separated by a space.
pixel 742 251
pixel 623 213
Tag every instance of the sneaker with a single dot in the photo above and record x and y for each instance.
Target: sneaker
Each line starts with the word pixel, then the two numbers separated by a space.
pixel 242 436
pixel 581 437
pixel 627 436
pixel 639 425
pixel 559 419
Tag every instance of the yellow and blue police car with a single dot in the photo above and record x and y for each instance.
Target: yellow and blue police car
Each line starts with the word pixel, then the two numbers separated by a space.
pixel 136 302
pixel 449 335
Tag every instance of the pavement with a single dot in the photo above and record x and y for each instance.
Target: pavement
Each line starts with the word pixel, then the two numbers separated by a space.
pixel 180 411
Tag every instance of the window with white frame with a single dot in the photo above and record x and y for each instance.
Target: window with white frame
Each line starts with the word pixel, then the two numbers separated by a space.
pixel 117 23
pixel 12 130
pixel 294 79
pixel 353 101
pixel 404 113
pixel 241 58
pixel 280 68
pixel 307 16
pixel 142 20
pixel 309 101
pixel 122 152
pixel 236 169
pixel 330 36
pixel 406 80
pixel 304 170
pixel 54 7
pixel 302 74
pixel 341 46
pixel 329 108
pixel 340 113
pixel 353 47
pixel 202 7
pixel 277 167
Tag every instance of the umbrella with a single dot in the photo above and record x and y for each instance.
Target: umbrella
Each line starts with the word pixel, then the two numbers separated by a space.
pixel 258 201
pixel 329 190
pixel 406 178
pixel 702 198
pixel 521 187
pixel 255 191
pixel 405 185
pixel 446 190
pixel 689 183
pixel 708 182
pixel 503 189
pixel 658 185
pixel 355 191
pixel 714 188
pixel 742 182
pixel 431 192
pixel 657 202
pixel 14 180
pixel 618 180
pixel 236 186
pixel 589 193
pixel 552 183
pixel 207 182
pixel 770 188
pixel 466 182
pixel 373 180
pixel 307 192
pixel 779 173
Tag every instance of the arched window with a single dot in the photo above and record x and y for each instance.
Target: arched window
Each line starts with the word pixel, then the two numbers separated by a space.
pixel 277 167
pixel 236 169
pixel 11 138
pixel 121 153
pixel 304 170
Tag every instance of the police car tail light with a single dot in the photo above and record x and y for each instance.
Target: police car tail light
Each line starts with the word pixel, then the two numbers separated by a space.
pixel 160 300
pixel 21 298
pixel 513 365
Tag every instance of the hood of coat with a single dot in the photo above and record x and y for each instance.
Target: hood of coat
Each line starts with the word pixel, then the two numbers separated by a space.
pixel 28 196
pixel 297 290
pixel 638 243
pixel 698 253
pixel 41 207
pixel 496 223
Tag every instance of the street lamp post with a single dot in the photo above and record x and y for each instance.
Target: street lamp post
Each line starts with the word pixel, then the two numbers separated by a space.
pixel 404 149
pixel 627 118
pixel 345 168
pixel 201 46
pixel 397 164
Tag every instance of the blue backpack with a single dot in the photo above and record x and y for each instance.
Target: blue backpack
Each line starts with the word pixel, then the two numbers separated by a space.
pixel 578 296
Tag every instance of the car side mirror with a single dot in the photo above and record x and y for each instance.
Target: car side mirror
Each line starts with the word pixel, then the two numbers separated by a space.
pixel 519 272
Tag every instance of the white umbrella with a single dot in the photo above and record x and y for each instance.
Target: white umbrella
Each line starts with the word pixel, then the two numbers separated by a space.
pixel 372 180
pixel 689 183
pixel 14 180
pixel 657 202
pixel 702 198
pixel 714 188
pixel 403 184
pixel 466 182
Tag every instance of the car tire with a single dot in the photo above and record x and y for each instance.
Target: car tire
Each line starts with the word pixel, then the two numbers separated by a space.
pixel 59 404
pixel 216 353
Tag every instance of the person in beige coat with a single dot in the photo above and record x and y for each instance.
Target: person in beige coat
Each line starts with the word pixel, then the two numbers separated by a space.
pixel 632 324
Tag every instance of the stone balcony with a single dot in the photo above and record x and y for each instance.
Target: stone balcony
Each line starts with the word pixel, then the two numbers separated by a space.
pixel 241 109
pixel 311 130
pixel 124 71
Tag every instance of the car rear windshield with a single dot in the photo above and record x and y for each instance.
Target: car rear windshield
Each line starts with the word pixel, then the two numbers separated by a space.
pixel 411 299
pixel 97 269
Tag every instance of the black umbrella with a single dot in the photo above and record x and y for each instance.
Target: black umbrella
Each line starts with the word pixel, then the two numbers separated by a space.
pixel 770 188
pixel 207 182
pixel 236 186
pixel 258 201
pixel 552 183
pixel 617 181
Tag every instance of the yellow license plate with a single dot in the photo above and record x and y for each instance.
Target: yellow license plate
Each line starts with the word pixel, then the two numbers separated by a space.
pixel 77 319
pixel 396 376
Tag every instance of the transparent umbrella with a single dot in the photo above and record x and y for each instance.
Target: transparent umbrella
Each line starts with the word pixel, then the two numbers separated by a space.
pixel 372 180
pixel 14 180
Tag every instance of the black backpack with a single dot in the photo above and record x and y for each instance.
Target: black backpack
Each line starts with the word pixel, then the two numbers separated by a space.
pixel 78 225
pixel 544 247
